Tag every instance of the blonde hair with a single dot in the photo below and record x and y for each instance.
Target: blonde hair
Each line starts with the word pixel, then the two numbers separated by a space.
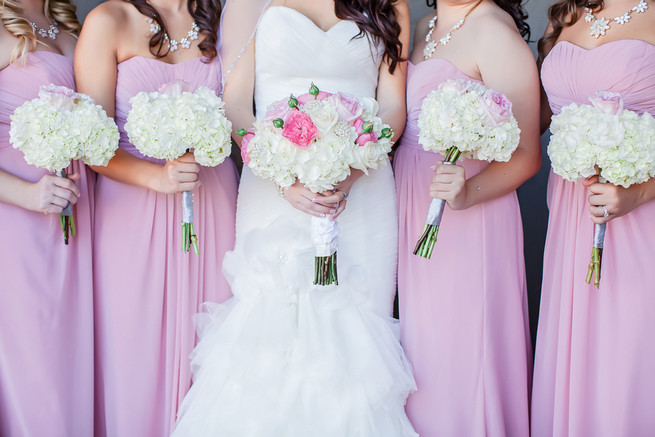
pixel 13 18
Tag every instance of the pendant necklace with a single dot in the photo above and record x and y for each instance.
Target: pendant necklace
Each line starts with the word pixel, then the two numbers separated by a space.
pixel 174 44
pixel 432 45
pixel 51 32
pixel 599 26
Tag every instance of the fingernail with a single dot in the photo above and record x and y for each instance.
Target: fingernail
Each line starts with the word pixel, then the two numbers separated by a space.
pixel 433 167
pixel 334 211
pixel 313 200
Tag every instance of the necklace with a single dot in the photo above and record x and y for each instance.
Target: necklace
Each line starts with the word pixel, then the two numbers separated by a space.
pixel 174 44
pixel 51 32
pixel 599 26
pixel 432 45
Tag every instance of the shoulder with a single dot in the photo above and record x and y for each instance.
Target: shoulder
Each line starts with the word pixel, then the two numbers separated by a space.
pixel 401 7
pixel 7 45
pixel 422 28
pixel 109 15
pixel 497 35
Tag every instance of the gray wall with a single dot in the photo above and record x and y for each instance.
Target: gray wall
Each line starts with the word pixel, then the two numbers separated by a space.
pixel 531 194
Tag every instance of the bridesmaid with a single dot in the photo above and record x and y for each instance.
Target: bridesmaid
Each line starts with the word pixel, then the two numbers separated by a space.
pixel 46 302
pixel 463 313
pixel 594 360
pixel 146 288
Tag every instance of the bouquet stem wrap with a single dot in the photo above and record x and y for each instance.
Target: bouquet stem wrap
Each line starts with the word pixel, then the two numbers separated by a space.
pixel 66 216
pixel 188 234
pixel 597 251
pixel 324 233
pixel 428 238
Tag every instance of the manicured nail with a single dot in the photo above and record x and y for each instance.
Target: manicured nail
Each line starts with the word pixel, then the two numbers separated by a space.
pixel 433 167
pixel 313 200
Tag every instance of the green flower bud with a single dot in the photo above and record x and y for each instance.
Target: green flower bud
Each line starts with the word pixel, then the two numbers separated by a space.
pixel 293 102
pixel 242 132
pixel 313 90
pixel 367 127
pixel 387 132
pixel 278 122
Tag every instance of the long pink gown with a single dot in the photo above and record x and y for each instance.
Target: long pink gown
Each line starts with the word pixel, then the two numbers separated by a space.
pixel 463 313
pixel 146 288
pixel 46 287
pixel 595 350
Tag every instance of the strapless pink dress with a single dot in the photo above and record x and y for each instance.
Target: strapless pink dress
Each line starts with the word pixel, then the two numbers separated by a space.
pixel 463 313
pixel 146 288
pixel 595 351
pixel 46 287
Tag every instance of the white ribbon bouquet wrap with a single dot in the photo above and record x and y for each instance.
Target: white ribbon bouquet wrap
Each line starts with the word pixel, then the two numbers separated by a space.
pixel 167 123
pixel 316 138
pixel 605 139
pixel 463 119
pixel 59 126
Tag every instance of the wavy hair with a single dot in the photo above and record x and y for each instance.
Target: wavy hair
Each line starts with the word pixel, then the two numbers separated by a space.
pixel 512 7
pixel 206 14
pixel 13 18
pixel 561 14
pixel 376 18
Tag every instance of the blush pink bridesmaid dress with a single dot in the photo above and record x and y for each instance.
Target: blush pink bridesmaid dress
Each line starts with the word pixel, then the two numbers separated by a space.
pixel 46 287
pixel 146 288
pixel 463 313
pixel 595 351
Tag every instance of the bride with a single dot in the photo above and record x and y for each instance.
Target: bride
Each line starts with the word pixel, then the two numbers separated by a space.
pixel 285 357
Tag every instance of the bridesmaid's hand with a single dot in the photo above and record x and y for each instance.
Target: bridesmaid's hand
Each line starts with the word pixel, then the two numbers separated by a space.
pixel 449 184
pixel 179 175
pixel 316 204
pixel 51 194
pixel 617 200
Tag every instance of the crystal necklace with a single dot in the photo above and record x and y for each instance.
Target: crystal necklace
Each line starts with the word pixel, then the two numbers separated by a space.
pixel 599 26
pixel 174 44
pixel 432 45
pixel 51 32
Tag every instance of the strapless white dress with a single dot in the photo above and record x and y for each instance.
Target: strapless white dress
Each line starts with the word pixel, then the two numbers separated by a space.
pixel 284 357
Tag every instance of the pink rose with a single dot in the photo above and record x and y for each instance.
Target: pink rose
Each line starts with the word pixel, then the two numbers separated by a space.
pixel 60 97
pixel 347 106
pixel 279 109
pixel 245 156
pixel 304 98
pixel 175 88
pixel 299 129
pixel 497 107
pixel 608 102
pixel 365 138
pixel 358 125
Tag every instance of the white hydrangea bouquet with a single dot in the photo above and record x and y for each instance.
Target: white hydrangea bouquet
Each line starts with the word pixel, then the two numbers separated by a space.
pixel 316 138
pixel 604 139
pixel 59 126
pixel 463 119
pixel 167 123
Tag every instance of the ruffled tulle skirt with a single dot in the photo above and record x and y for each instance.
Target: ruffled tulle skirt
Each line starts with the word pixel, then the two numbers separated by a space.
pixel 287 358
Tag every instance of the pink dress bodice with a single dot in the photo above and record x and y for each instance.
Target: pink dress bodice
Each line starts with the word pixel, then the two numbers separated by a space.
pixel 571 74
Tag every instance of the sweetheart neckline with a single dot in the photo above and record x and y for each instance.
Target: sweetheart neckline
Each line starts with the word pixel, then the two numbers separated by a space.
pixel 309 20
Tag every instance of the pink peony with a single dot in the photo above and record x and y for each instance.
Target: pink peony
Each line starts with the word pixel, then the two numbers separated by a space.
pixel 60 97
pixel 497 107
pixel 608 102
pixel 279 109
pixel 304 98
pixel 299 129
pixel 365 138
pixel 347 106
pixel 245 156
pixel 175 88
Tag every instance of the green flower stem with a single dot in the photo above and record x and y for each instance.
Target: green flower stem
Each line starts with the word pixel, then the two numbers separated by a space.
pixel 189 238
pixel 594 266
pixel 325 270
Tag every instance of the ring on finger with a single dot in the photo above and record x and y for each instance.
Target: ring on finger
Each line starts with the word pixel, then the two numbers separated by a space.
pixel 605 211
pixel 345 195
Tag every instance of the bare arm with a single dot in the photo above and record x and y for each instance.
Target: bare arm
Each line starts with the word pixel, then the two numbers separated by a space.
pixel 506 64
pixel 50 194
pixel 96 63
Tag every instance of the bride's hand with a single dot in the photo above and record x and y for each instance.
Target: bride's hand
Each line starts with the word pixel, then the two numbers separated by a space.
pixel 316 204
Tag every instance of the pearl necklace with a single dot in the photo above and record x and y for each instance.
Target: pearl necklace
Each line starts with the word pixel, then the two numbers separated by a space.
pixel 432 45
pixel 174 44
pixel 599 26
pixel 51 32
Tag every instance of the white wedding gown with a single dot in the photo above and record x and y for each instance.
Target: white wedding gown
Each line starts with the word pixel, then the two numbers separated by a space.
pixel 285 358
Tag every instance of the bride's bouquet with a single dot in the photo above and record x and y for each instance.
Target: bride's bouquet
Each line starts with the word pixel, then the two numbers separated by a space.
pixel 59 126
pixel 316 138
pixel 463 119
pixel 604 139
pixel 169 122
